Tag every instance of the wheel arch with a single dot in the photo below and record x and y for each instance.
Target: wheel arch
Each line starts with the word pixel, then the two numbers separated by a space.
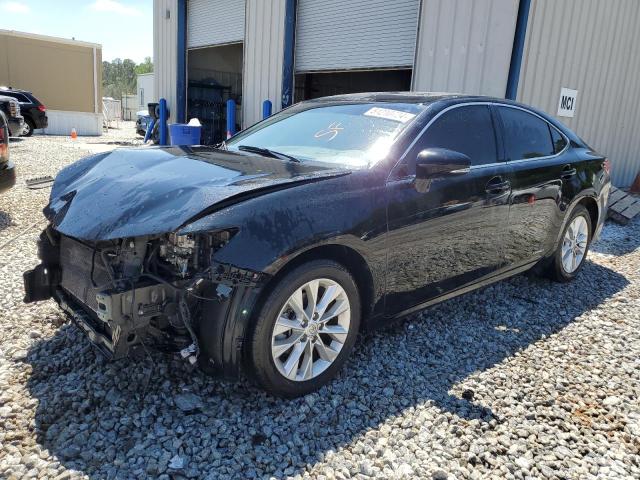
pixel 346 256
pixel 591 205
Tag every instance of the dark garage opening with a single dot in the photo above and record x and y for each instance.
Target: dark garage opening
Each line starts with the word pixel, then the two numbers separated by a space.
pixel 214 76
pixel 315 85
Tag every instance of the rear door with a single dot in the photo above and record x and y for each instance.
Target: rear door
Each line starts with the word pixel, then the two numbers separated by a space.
pixel 451 234
pixel 540 163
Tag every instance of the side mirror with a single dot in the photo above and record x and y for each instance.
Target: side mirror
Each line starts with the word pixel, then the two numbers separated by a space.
pixel 440 163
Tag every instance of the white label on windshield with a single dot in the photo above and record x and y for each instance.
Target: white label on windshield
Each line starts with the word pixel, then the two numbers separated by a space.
pixel 389 114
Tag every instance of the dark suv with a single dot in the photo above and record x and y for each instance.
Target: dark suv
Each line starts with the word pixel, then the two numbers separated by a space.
pixel 7 171
pixel 33 111
pixel 11 109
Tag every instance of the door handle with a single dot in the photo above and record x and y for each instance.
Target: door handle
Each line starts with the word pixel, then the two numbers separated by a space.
pixel 567 172
pixel 496 186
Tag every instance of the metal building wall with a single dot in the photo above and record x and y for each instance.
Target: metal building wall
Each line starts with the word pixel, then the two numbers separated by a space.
pixel 592 46
pixel 165 48
pixel 465 46
pixel 263 56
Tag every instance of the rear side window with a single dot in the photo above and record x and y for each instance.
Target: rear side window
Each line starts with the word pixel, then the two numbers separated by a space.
pixel 467 130
pixel 559 141
pixel 525 135
pixel 18 96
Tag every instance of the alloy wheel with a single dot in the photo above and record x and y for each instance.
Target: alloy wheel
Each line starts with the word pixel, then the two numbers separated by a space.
pixel 574 244
pixel 311 329
pixel 27 129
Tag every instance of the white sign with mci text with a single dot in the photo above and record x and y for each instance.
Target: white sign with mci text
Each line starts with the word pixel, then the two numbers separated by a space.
pixel 567 103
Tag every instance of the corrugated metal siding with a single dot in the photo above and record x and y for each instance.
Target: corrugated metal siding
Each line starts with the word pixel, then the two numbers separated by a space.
pixel 465 46
pixel 214 22
pixel 340 35
pixel 264 47
pixel 165 44
pixel 592 46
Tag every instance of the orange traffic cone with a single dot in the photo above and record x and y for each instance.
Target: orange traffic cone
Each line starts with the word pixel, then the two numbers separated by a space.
pixel 74 134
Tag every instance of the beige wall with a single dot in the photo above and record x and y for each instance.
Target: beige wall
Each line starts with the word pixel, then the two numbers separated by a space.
pixel 60 75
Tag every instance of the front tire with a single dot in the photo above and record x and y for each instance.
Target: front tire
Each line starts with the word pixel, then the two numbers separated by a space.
pixel 29 127
pixel 306 329
pixel 571 253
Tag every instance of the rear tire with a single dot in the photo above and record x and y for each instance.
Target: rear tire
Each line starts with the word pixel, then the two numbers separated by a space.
pixel 307 327
pixel 575 241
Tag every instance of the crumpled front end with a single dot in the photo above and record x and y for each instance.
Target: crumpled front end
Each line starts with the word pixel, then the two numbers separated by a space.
pixel 164 292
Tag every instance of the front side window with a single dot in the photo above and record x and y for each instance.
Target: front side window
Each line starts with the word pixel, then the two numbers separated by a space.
pixel 525 135
pixel 353 135
pixel 467 130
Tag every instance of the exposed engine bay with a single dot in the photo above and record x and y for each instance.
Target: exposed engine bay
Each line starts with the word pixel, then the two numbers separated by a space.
pixel 137 292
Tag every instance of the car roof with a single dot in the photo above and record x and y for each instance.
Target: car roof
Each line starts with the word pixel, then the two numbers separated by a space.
pixel 13 90
pixel 405 97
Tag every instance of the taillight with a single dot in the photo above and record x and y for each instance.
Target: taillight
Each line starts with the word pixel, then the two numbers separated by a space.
pixel 42 108
pixel 4 144
pixel 607 166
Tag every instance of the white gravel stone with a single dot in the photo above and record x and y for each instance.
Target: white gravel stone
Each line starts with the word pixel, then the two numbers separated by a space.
pixel 523 379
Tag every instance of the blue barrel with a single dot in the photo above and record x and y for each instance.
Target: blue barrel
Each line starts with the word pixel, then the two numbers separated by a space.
pixel 183 134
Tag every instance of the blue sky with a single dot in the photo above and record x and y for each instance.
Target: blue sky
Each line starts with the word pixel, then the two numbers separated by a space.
pixel 123 27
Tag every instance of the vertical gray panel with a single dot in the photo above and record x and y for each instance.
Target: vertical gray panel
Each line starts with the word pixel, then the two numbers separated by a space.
pixel 264 48
pixel 594 47
pixel 465 46
pixel 355 34
pixel 165 40
pixel 214 22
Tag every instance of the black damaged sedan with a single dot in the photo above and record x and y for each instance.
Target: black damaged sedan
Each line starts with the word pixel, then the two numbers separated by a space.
pixel 268 255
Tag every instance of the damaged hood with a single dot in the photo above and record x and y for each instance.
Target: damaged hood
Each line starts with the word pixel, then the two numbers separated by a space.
pixel 148 191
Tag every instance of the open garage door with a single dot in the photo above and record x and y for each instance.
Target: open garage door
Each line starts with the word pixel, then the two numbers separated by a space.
pixel 358 34
pixel 214 22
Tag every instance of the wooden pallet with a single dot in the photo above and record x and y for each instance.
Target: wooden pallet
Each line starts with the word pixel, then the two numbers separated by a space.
pixel 622 206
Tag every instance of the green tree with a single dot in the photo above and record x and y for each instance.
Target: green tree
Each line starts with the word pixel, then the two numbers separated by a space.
pixel 119 77
pixel 145 67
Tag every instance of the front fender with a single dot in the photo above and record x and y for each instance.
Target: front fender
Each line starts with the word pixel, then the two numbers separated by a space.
pixel 274 228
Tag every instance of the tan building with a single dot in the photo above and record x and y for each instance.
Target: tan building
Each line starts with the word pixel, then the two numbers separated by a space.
pixel 65 75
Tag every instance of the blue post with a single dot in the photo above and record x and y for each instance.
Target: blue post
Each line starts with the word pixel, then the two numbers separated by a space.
pixel 231 118
pixel 288 71
pixel 266 109
pixel 518 49
pixel 163 122
pixel 181 71
pixel 147 135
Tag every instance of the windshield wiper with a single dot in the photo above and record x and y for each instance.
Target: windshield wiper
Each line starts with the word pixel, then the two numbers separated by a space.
pixel 268 153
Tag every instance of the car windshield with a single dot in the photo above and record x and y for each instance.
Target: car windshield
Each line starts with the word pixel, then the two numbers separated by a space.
pixel 353 135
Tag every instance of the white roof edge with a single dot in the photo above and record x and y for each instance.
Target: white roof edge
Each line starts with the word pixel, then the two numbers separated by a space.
pixel 48 38
pixel 145 74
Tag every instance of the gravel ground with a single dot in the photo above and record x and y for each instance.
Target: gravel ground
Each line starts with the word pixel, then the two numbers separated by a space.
pixel 523 379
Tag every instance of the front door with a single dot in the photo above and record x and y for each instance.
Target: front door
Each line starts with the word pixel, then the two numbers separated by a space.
pixel 450 234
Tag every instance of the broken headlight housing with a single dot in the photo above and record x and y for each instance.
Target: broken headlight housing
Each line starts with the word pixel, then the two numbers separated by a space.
pixel 192 252
pixel 179 251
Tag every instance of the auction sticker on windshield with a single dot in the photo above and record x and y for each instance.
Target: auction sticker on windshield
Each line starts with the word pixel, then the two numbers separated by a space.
pixel 389 114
